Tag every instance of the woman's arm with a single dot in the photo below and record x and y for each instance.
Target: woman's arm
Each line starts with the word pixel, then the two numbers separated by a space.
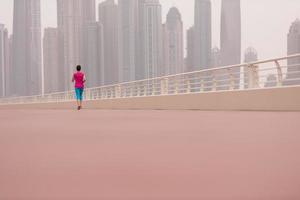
pixel 84 79
pixel 73 79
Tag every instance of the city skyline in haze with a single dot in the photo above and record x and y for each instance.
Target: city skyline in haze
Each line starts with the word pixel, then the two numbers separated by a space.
pixel 274 17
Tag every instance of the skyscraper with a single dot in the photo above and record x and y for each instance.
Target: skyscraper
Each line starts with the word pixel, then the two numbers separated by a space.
pixel 9 74
pixel 88 8
pixel 95 55
pixel 4 60
pixel 231 38
pixel 53 73
pixel 27 47
pixel 202 34
pixel 152 39
pixel 139 69
pixel 73 17
pixel 173 43
pixel 108 16
pixel 88 18
pixel 190 50
pixel 9 77
pixel 69 28
pixel 250 55
pixel 129 39
pixel 293 42
pixel 231 32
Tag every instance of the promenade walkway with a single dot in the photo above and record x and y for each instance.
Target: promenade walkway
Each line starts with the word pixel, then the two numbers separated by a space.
pixel 149 155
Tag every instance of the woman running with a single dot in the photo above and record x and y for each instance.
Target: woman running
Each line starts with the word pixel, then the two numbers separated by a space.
pixel 79 79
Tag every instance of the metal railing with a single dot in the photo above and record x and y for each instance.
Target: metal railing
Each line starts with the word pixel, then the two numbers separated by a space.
pixel 255 75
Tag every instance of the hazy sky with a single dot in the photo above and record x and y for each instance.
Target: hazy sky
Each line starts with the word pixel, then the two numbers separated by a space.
pixel 265 23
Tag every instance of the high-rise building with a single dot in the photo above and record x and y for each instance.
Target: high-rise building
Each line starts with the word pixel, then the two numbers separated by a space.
pixel 293 42
pixel 88 18
pixel 129 39
pixel 53 73
pixel 108 16
pixel 73 17
pixel 9 74
pixel 69 30
pixel 173 43
pixel 249 56
pixel 151 39
pixel 231 37
pixel 139 69
pixel 27 49
pixel 202 34
pixel 9 77
pixel 190 50
pixel 4 61
pixel 231 32
pixel 95 55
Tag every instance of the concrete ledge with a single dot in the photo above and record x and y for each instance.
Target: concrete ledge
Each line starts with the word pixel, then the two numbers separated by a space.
pixel 273 99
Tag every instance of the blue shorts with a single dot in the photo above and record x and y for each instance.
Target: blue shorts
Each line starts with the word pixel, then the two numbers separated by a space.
pixel 79 93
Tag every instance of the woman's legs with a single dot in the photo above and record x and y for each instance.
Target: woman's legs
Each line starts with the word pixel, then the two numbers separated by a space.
pixel 79 97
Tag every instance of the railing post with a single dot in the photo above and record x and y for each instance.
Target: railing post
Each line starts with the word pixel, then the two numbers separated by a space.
pixel 231 79
pixel 201 84
pixel 92 94
pixel 176 86
pixel 117 91
pixel 152 91
pixel 279 74
pixel 87 94
pixel 253 78
pixel 164 86
pixel 250 76
pixel 246 77
pixel 112 92
pixel 103 93
pixel 188 87
pixel 65 96
pixel 139 93
pixel 100 94
pixel 130 91
pixel 214 88
pixel 146 89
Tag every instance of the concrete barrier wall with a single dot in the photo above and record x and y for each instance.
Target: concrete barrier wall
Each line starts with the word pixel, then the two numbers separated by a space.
pixel 276 99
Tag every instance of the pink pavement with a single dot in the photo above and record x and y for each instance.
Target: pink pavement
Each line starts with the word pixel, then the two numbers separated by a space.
pixel 149 155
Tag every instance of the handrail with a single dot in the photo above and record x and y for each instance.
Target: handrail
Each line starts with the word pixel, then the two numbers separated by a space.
pixel 240 76
pixel 205 70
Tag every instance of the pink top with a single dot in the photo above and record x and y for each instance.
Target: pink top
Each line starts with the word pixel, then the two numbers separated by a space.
pixel 79 79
